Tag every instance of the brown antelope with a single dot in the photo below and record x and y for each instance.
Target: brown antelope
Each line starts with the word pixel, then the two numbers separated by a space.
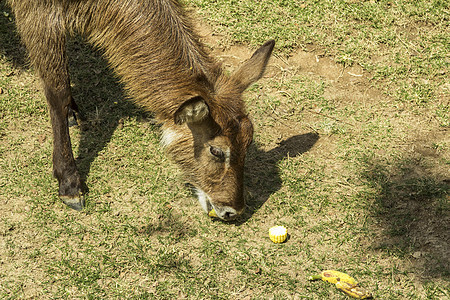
pixel 151 45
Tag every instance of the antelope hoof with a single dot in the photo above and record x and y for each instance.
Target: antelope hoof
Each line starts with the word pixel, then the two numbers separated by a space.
pixel 74 202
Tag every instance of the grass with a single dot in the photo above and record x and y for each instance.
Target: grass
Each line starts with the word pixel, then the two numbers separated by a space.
pixel 403 44
pixel 356 167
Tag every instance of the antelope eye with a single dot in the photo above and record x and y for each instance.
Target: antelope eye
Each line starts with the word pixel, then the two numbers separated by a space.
pixel 217 152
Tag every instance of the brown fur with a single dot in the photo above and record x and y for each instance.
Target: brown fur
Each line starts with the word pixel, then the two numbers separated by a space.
pixel 151 45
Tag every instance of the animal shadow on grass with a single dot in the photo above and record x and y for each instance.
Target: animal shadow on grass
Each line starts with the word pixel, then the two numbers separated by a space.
pixel 262 173
pixel 102 103
pixel 412 207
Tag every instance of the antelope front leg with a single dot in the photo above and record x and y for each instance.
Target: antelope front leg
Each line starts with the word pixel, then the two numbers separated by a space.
pixel 64 168
pixel 45 40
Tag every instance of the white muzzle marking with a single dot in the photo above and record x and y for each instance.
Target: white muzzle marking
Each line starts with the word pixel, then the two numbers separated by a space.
pixel 204 199
pixel 169 136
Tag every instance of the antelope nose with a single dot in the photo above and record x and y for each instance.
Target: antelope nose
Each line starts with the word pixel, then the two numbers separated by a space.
pixel 228 213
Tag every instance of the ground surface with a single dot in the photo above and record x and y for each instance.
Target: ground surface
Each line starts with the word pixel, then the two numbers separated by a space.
pixel 353 163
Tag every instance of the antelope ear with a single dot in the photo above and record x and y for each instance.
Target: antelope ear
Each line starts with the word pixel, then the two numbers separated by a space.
pixel 253 69
pixel 193 110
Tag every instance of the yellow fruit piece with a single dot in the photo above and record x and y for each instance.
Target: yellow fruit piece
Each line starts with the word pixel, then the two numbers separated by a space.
pixel 213 214
pixel 278 234
pixel 353 290
pixel 333 276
